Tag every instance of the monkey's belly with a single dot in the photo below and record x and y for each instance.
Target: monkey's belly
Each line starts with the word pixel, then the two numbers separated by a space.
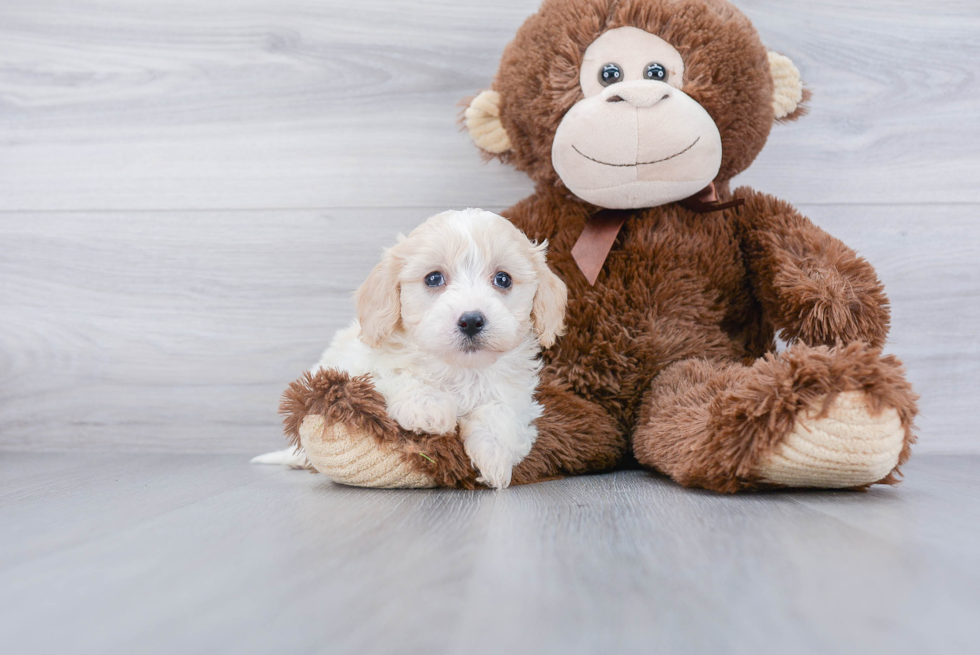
pixel 614 363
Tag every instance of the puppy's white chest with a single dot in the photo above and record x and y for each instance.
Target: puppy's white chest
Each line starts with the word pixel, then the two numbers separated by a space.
pixel 475 388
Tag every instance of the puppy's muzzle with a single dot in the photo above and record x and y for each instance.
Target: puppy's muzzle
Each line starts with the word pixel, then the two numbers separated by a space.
pixel 471 323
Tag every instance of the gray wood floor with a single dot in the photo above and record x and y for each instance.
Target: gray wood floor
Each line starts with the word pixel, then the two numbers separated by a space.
pixel 204 554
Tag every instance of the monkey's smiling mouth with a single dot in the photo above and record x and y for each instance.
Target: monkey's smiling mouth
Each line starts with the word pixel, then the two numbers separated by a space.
pixel 639 163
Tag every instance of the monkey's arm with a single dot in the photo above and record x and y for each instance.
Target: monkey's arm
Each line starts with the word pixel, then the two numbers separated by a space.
pixel 811 286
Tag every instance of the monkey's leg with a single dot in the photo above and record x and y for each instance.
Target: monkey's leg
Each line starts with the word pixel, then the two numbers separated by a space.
pixel 809 417
pixel 575 436
pixel 342 424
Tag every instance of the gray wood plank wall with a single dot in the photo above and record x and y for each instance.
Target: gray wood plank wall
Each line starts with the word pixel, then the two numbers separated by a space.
pixel 190 190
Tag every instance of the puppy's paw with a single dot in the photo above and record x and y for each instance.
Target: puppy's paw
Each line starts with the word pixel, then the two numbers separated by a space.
pixel 491 458
pixel 432 413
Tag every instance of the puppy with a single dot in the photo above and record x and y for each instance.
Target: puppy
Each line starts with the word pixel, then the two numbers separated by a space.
pixel 449 327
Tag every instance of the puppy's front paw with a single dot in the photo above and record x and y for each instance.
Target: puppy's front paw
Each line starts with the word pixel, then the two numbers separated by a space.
pixel 426 412
pixel 491 458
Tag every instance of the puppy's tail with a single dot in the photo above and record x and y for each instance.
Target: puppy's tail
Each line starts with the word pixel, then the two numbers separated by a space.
pixel 294 457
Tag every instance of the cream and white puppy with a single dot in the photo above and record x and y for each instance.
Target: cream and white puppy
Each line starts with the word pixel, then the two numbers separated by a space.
pixel 450 325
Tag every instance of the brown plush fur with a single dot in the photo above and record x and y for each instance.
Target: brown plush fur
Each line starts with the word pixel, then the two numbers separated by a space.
pixel 598 443
pixel 708 423
pixel 812 286
pixel 673 345
pixel 680 286
pixel 339 398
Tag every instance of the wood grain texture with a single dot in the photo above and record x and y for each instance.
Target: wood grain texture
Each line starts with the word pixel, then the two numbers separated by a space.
pixel 189 192
pixel 177 332
pixel 260 560
pixel 185 104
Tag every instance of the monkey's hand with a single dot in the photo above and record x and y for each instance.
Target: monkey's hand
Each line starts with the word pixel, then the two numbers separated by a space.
pixel 811 286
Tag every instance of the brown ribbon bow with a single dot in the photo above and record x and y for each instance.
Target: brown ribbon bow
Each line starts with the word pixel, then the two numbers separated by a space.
pixel 593 245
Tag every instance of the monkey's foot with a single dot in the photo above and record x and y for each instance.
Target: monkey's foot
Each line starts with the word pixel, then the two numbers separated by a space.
pixel 349 456
pixel 843 446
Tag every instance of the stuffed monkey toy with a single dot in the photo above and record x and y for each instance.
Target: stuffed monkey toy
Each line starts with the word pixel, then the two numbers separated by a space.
pixel 631 117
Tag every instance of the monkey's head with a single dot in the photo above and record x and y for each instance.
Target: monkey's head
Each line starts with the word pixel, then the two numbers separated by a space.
pixel 634 103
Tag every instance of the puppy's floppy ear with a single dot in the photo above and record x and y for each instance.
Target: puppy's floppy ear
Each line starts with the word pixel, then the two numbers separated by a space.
pixel 482 120
pixel 548 311
pixel 788 95
pixel 378 301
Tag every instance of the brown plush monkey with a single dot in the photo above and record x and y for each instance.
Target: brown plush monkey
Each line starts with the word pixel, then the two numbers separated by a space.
pixel 632 116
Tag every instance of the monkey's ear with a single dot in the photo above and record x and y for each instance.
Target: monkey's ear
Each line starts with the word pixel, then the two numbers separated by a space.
pixel 482 118
pixel 788 94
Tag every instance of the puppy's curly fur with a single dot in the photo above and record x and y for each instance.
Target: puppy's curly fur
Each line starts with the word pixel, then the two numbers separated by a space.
pixel 412 364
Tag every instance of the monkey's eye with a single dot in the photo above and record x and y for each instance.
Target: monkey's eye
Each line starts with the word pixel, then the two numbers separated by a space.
pixel 434 279
pixel 610 74
pixel 656 72
pixel 502 280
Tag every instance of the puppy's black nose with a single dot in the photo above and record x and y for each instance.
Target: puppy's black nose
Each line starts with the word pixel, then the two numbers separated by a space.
pixel 471 322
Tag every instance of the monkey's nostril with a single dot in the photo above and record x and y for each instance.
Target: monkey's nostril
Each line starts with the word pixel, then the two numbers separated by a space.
pixel 614 99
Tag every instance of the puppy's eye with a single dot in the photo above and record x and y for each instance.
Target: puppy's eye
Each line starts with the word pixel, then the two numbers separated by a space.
pixel 656 72
pixel 610 74
pixel 434 279
pixel 501 280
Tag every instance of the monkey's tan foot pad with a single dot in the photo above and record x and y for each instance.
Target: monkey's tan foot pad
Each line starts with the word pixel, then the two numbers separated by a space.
pixel 845 446
pixel 348 456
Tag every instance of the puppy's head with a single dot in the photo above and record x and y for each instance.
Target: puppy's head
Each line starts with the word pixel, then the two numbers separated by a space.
pixel 466 286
